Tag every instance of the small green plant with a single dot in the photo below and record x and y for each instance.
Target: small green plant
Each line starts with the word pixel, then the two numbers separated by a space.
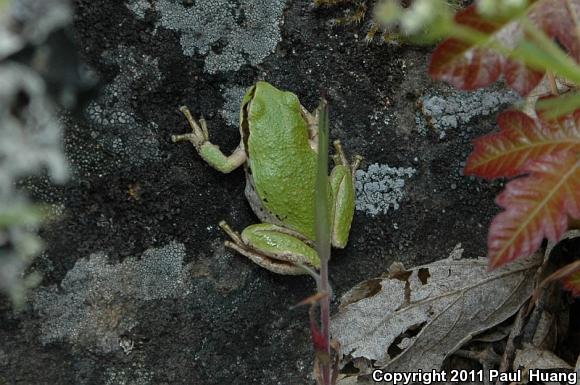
pixel 321 338
pixel 324 369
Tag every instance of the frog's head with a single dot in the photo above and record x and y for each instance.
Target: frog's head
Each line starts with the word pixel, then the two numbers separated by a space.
pixel 263 99
pixel 264 94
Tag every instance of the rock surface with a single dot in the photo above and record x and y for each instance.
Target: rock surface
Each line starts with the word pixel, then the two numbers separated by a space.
pixel 138 288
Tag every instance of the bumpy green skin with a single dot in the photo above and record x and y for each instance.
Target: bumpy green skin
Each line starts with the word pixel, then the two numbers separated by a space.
pixel 282 162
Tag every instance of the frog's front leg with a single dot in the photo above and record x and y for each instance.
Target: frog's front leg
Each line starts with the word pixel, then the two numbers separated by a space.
pixel 342 185
pixel 211 153
pixel 273 247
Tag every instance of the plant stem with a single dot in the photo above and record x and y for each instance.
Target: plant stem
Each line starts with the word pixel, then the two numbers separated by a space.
pixel 323 236
pixel 325 321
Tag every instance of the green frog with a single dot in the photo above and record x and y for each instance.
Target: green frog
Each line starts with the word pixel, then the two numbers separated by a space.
pixel 278 149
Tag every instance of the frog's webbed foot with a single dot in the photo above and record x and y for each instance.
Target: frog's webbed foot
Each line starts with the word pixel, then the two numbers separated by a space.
pixel 199 134
pixel 275 248
pixel 211 153
pixel 342 185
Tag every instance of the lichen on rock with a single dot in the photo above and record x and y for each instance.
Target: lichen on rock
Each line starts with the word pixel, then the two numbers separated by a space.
pixel 115 124
pixel 380 188
pixel 233 100
pixel 445 113
pixel 229 34
pixel 97 302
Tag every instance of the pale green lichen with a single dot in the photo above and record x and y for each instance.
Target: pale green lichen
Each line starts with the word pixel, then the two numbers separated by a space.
pixel 233 100
pixel 228 33
pixel 445 113
pixel 139 7
pixel 381 188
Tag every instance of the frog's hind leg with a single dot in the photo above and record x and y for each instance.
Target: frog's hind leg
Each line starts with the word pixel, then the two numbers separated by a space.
pixel 275 248
pixel 211 153
pixel 342 185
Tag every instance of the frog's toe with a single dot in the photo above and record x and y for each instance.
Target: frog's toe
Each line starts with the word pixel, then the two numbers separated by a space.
pixel 199 133
pixel 272 264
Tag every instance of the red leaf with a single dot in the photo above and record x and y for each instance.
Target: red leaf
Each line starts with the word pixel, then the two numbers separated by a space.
pixel 559 19
pixel 568 125
pixel 465 66
pixel 503 154
pixel 468 66
pixel 521 78
pixel 536 206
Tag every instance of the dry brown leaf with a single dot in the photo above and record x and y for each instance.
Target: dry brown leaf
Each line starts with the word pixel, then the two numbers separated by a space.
pixel 530 357
pixel 498 333
pixel 570 234
pixel 437 307
pixel 549 329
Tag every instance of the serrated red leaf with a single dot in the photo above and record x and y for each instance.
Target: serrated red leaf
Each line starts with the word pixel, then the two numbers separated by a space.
pixel 521 78
pixel 536 206
pixel 463 65
pixel 568 125
pixel 468 66
pixel 521 139
pixel 560 20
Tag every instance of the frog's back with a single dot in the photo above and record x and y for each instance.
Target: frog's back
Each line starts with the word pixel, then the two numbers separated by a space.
pixel 282 163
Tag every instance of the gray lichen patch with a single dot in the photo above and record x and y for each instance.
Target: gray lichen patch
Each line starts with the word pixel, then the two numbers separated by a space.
pixel 98 302
pixel 445 113
pixel 133 375
pixel 115 124
pixel 233 100
pixel 381 188
pixel 139 7
pixel 228 33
